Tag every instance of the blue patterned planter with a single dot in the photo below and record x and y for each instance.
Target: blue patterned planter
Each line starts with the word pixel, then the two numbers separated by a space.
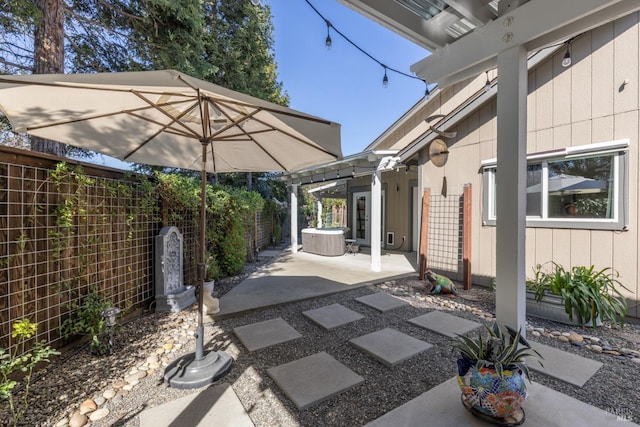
pixel 489 394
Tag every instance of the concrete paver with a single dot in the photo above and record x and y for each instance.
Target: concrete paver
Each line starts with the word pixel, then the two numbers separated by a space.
pixel 390 347
pixel 332 316
pixel 382 301
pixel 444 323
pixel 214 406
pixel 265 334
pixel 313 379
pixel 565 366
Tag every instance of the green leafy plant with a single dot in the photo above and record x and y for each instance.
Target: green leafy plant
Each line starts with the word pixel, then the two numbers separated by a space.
pixel 21 361
pixel 498 350
pixel 87 319
pixel 587 293
pixel 212 271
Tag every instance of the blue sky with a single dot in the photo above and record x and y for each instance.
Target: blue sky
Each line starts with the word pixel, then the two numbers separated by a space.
pixel 342 84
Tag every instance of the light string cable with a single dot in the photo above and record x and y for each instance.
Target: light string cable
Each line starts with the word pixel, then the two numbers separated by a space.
pixel 385 79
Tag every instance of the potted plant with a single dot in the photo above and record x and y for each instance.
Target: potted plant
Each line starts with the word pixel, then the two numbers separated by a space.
pixel 492 374
pixel 586 295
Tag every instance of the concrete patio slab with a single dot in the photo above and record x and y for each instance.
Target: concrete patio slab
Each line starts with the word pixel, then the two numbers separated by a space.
pixel 562 365
pixel 382 301
pixel 390 347
pixel 298 276
pixel 313 379
pixel 444 323
pixel 214 406
pixel 265 334
pixel 441 407
pixel 332 316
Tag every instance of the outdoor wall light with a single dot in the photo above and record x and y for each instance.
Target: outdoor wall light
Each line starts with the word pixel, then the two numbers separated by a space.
pixel 566 60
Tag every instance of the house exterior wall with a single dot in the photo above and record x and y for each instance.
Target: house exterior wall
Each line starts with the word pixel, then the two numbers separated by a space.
pixel 585 103
pixel 396 186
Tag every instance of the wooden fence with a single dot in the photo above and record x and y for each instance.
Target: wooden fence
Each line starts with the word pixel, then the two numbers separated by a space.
pixel 64 235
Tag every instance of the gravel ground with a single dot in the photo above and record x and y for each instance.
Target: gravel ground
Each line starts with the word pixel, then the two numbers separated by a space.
pixel 77 375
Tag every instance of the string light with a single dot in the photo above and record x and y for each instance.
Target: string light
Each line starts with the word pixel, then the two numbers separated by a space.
pixel 487 85
pixel 327 41
pixel 385 79
pixel 353 172
pixel 338 175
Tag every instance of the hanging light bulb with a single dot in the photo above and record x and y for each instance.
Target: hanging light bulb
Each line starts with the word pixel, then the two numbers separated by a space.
pixel 385 79
pixel 427 93
pixel 338 174
pixel 353 171
pixel 566 60
pixel 487 84
pixel 327 41
pixel 323 177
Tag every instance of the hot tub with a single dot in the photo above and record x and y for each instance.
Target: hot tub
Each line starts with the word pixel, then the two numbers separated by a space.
pixel 324 241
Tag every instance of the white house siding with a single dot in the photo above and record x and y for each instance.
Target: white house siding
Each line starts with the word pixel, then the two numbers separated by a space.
pixel 583 104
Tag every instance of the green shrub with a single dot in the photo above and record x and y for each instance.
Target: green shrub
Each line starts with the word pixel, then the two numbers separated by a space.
pixel 587 292
pixel 21 361
pixel 86 319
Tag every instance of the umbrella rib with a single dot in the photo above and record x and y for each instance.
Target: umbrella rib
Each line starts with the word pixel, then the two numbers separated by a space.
pixel 175 120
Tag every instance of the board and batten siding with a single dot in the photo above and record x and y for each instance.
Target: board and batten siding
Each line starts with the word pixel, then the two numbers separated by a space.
pixel 588 102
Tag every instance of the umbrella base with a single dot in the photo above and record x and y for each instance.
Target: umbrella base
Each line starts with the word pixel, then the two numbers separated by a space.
pixel 187 372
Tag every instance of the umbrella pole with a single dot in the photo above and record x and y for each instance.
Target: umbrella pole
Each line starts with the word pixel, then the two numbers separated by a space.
pixel 199 369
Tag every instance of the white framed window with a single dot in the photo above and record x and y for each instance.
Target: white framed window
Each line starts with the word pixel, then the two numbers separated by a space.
pixel 575 187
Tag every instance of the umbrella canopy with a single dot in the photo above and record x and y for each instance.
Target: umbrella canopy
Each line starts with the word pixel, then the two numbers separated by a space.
pixel 162 117
pixel 166 118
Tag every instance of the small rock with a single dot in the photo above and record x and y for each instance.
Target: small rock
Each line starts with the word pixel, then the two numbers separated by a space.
pixel 535 333
pixel 612 352
pixel 540 330
pixel 625 350
pixel 578 343
pixel 606 347
pixel 130 386
pixel 555 333
pixel 119 384
pixel 575 338
pixel 100 400
pixel 152 359
pixel 109 393
pixel 78 420
pixel 99 414
pixel 563 338
pixel 594 339
pixel 62 423
pixel 88 406
pixel 636 360
pixel 596 348
pixel 565 334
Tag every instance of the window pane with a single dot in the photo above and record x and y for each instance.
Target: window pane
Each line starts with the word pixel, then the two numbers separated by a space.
pixel 581 188
pixel 534 190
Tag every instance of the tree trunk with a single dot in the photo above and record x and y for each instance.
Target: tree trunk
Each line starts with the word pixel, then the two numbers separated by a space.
pixel 48 58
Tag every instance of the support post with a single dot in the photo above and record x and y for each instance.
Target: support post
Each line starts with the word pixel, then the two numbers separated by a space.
pixel 294 218
pixel 376 220
pixel 511 188
pixel 319 213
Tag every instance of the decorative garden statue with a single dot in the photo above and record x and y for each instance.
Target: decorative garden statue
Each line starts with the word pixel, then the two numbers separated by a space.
pixel 437 284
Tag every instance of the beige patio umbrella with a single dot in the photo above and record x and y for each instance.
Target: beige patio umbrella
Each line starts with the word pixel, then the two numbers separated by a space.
pixel 167 118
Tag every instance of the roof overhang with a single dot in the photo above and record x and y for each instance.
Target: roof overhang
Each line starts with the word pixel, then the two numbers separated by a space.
pixel 359 164
pixel 533 24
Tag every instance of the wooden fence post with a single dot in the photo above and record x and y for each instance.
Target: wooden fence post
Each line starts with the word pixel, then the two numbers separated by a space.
pixel 424 232
pixel 466 236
